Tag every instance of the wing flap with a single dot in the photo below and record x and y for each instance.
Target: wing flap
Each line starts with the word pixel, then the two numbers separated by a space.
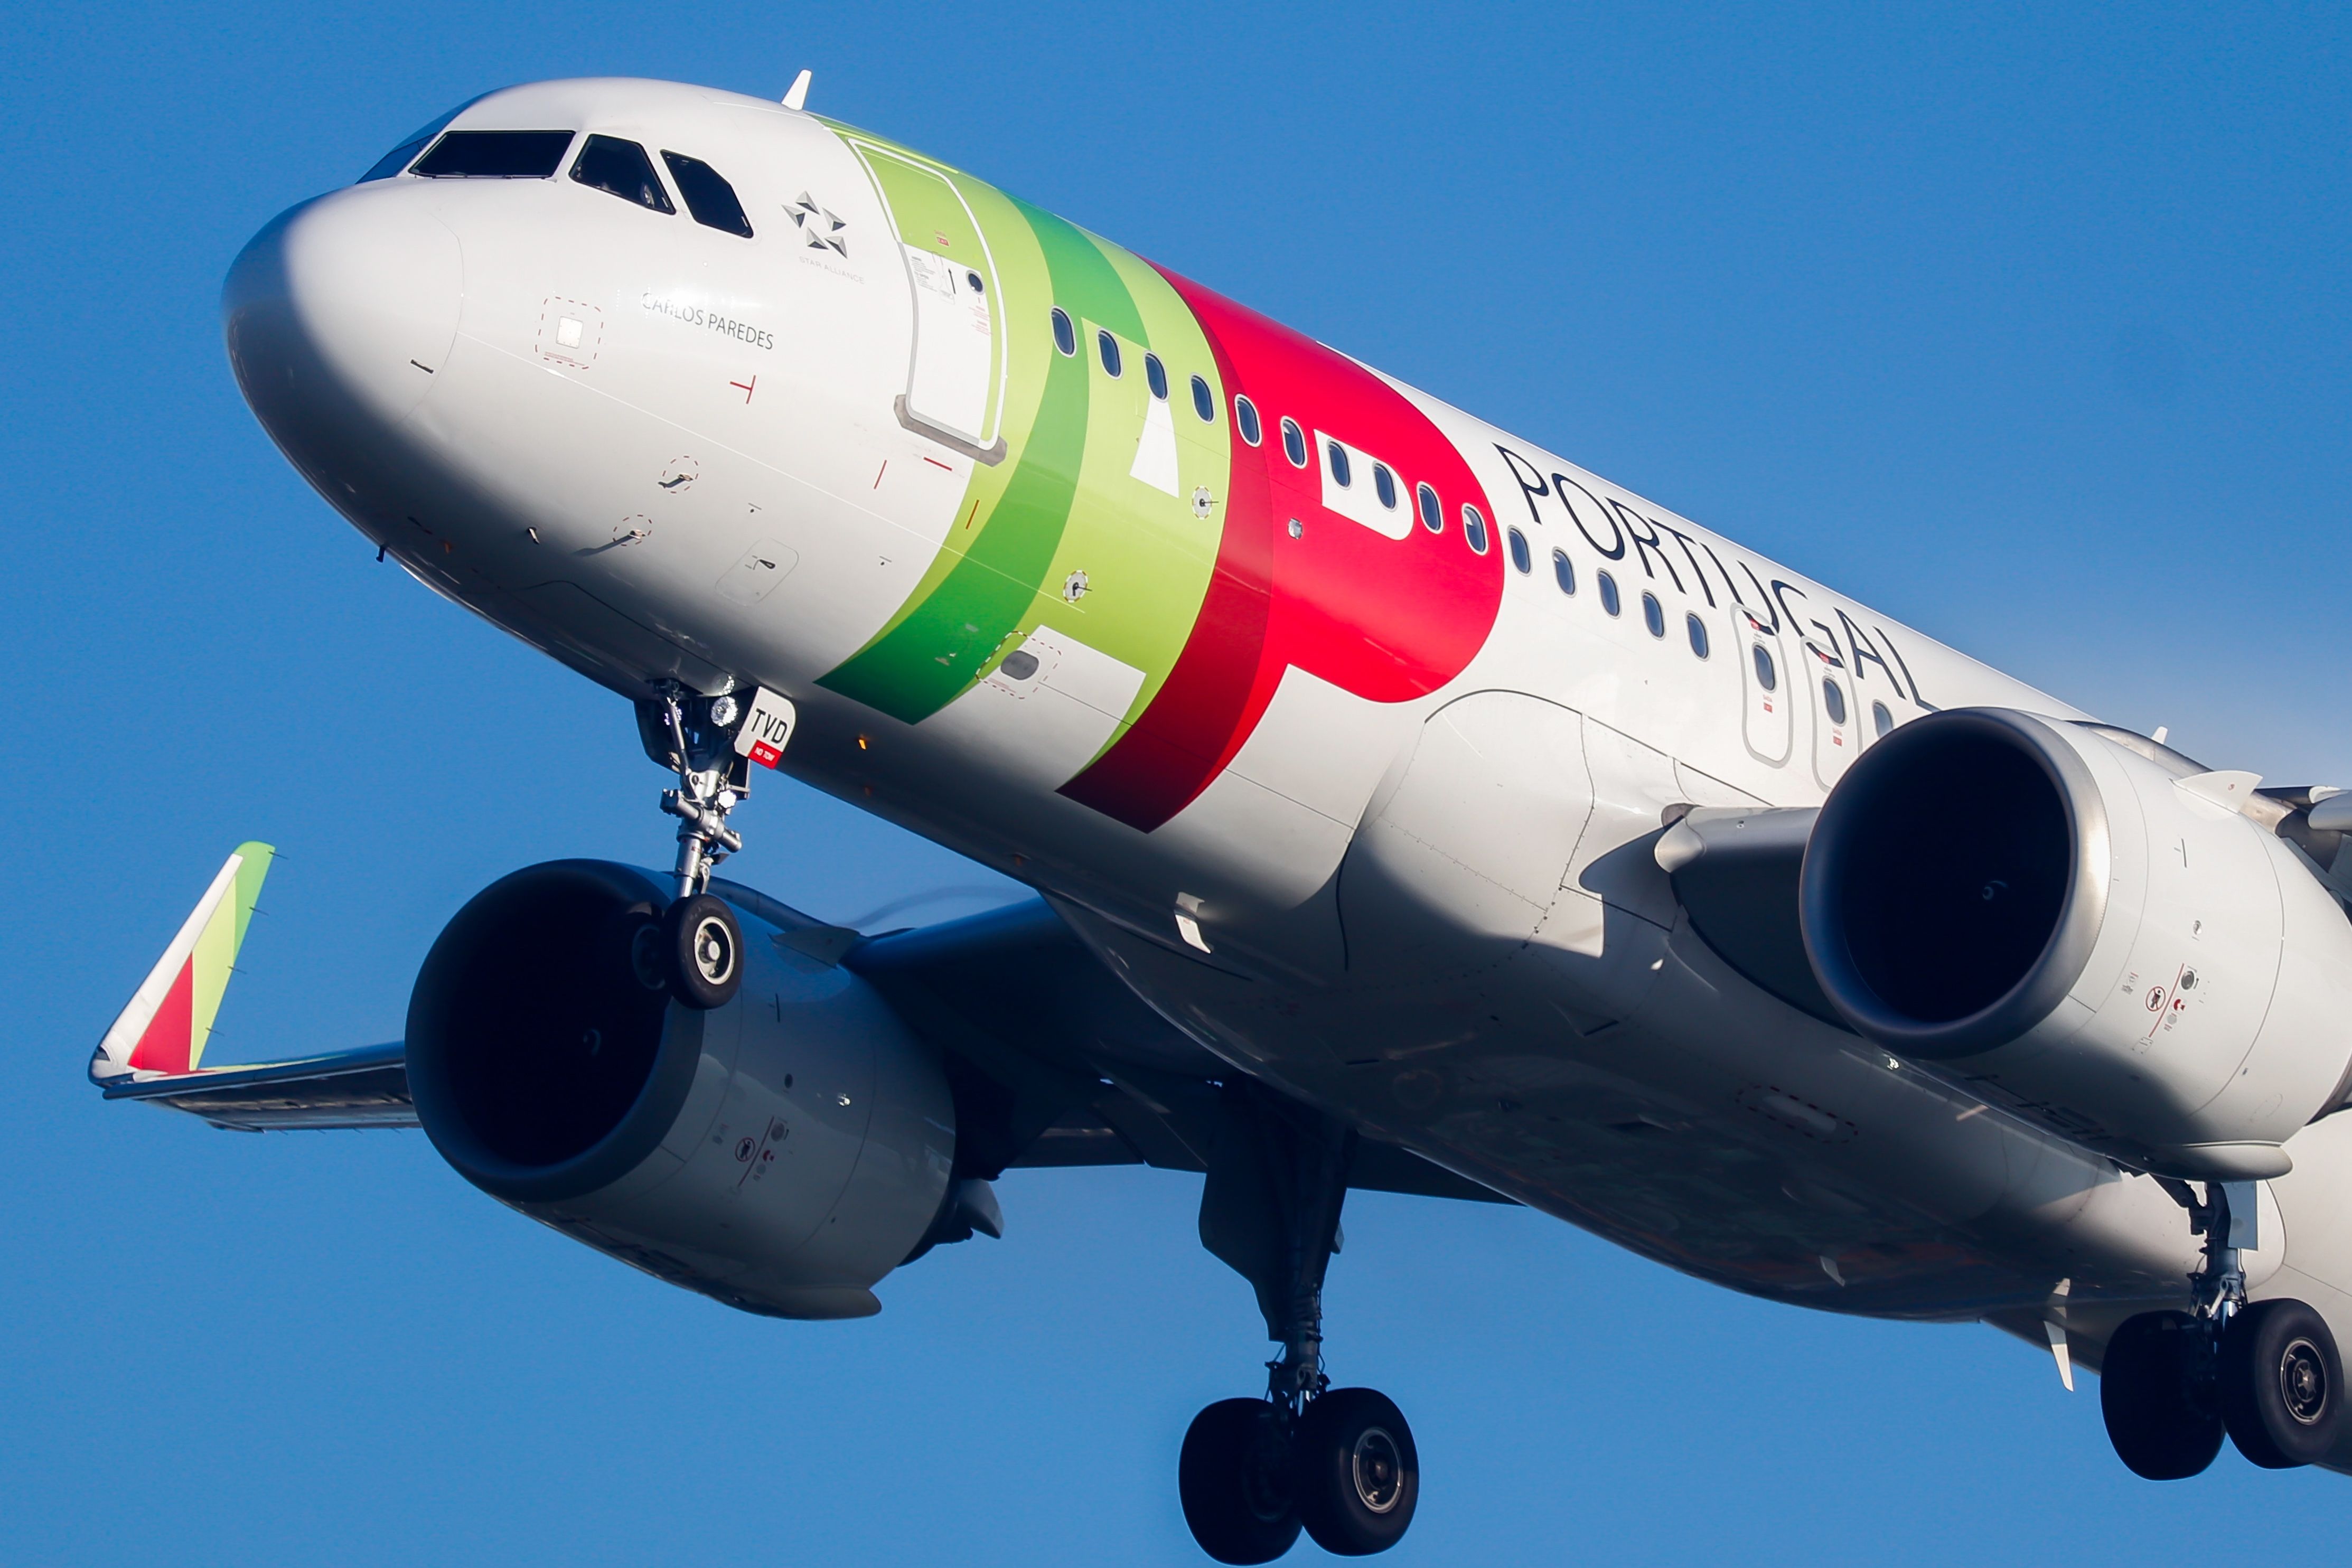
pixel 352 1089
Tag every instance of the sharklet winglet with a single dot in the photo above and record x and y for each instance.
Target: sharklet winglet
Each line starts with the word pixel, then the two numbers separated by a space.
pixel 170 1017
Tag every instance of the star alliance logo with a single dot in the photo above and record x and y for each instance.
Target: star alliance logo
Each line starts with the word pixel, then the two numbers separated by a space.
pixel 819 224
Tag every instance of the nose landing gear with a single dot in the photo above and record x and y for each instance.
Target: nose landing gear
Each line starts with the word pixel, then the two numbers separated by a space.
pixel 1340 1463
pixel 710 744
pixel 2266 1372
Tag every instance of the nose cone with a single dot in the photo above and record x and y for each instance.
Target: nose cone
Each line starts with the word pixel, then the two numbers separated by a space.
pixel 338 314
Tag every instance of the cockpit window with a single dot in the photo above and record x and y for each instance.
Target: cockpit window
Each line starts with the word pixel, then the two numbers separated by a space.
pixel 394 162
pixel 708 195
pixel 495 155
pixel 609 164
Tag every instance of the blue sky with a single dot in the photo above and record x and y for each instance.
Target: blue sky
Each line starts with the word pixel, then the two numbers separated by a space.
pixel 2027 324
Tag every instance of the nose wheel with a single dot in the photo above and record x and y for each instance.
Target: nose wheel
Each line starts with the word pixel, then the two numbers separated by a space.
pixel 1338 1463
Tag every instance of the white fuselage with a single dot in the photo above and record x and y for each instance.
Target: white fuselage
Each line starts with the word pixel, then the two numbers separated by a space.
pixel 659 452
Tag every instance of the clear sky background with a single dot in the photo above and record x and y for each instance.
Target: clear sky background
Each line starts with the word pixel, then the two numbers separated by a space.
pixel 2028 324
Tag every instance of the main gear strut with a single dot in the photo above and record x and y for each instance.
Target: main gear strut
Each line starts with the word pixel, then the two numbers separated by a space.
pixel 1338 1462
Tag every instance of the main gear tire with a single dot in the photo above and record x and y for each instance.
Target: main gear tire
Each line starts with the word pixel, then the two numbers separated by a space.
pixel 1355 1472
pixel 2163 1425
pixel 2282 1384
pixel 702 949
pixel 1233 1476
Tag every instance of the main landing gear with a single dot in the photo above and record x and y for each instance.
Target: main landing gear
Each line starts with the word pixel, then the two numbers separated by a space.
pixel 2266 1372
pixel 1340 1462
pixel 696 948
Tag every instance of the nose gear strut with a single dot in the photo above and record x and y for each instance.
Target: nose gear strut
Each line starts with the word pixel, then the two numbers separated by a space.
pixel 694 736
pixel 710 744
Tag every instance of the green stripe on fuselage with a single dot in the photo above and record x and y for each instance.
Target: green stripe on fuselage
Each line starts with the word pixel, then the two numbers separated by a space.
pixel 976 593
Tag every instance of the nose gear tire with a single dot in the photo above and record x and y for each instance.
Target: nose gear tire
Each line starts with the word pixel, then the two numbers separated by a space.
pixel 1355 1473
pixel 702 948
pixel 2282 1384
pixel 2163 1425
pixel 1233 1476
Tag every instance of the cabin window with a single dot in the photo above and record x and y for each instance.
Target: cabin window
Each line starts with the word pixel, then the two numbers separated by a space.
pixel 1337 456
pixel 1654 615
pixel 1204 402
pixel 1609 593
pixel 1563 571
pixel 1833 699
pixel 1767 676
pixel 1245 421
pixel 1108 347
pixel 608 163
pixel 496 155
pixel 1384 486
pixel 1433 516
pixel 1879 719
pixel 1697 630
pixel 1473 528
pixel 1155 376
pixel 1519 556
pixel 1065 337
pixel 1294 442
pixel 710 199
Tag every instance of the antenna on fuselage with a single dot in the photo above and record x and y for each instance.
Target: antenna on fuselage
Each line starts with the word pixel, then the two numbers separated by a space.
pixel 798 97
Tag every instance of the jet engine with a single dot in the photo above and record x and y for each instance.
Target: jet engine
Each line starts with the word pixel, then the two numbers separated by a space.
pixel 781 1153
pixel 2095 932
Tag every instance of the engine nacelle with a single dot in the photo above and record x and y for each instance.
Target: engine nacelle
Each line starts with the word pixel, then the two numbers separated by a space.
pixel 2028 907
pixel 780 1153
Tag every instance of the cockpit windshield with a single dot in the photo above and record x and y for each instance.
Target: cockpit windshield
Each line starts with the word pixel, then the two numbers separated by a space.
pixel 708 195
pixel 610 164
pixel 394 162
pixel 495 155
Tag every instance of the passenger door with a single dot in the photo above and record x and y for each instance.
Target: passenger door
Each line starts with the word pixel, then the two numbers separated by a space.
pixel 955 370
pixel 1767 682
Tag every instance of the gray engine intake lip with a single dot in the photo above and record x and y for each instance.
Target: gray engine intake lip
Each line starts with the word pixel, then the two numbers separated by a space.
pixel 1830 859
pixel 639 1129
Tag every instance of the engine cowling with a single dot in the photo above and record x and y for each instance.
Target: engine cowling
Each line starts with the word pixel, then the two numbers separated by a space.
pixel 780 1154
pixel 2083 929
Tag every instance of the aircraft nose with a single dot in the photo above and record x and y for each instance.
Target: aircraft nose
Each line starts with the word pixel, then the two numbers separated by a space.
pixel 338 314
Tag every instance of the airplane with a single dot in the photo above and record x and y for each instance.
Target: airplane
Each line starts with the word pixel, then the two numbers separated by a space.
pixel 1407 808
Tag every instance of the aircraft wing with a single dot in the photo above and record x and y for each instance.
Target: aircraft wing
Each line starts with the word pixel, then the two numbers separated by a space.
pixel 1054 1062
pixel 363 1088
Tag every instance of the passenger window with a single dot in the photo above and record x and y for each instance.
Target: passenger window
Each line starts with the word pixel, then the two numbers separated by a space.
pixel 1473 528
pixel 1767 676
pixel 1519 556
pixel 1563 571
pixel 1609 593
pixel 498 155
pixel 609 164
pixel 1293 444
pixel 1697 630
pixel 1065 337
pixel 1654 615
pixel 1245 421
pixel 1384 486
pixel 1336 456
pixel 1204 402
pixel 709 197
pixel 1833 699
pixel 1155 376
pixel 1108 347
pixel 1879 719
pixel 1433 516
